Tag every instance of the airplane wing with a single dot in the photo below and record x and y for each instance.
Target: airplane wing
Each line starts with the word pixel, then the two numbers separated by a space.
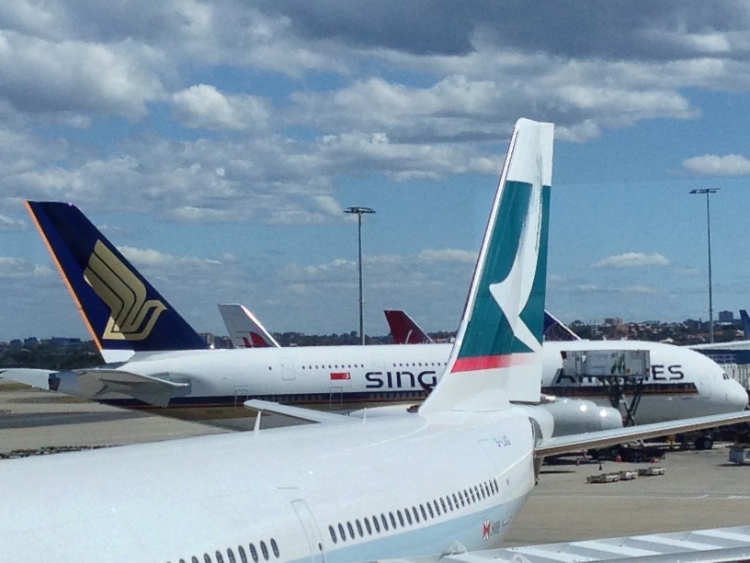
pixel 94 383
pixel 299 413
pixel 578 442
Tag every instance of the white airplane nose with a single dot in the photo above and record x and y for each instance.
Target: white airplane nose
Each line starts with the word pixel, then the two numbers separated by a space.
pixel 738 395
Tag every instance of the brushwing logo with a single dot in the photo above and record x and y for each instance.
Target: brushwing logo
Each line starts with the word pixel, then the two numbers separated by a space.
pixel 512 294
pixel 132 316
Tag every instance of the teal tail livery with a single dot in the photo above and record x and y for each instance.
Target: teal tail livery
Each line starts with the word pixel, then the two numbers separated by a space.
pixel 121 310
pixel 497 354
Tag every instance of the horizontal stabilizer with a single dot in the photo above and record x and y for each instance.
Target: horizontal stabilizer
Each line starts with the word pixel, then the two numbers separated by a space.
pixel 95 383
pixel 298 412
pixel 38 378
pixel 578 442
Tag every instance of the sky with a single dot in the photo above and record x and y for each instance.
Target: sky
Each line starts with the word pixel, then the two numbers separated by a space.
pixel 218 143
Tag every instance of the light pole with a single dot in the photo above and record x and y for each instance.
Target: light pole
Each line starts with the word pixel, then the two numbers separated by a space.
pixel 708 192
pixel 359 211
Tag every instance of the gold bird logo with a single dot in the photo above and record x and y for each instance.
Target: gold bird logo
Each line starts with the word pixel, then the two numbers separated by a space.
pixel 132 316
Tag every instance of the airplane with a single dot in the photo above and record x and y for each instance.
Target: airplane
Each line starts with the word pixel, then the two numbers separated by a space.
pixel 279 494
pixel 680 382
pixel 158 364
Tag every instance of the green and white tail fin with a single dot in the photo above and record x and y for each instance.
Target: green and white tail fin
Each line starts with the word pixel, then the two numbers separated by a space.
pixel 497 355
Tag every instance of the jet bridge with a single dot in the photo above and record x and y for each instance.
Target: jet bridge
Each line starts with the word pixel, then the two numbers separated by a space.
pixel 621 372
pixel 720 544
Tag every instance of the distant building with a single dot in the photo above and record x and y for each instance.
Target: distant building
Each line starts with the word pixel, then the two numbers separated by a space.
pixel 726 317
pixel 30 341
pixel 613 321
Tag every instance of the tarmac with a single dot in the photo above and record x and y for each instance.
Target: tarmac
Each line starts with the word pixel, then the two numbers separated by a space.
pixel 700 489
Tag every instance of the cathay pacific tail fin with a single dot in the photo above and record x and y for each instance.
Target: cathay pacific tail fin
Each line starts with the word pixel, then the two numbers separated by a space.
pixel 497 352
pixel 404 329
pixel 122 311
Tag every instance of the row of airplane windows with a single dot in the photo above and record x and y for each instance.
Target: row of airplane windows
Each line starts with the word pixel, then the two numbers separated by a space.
pixel 231 558
pixel 408 517
pixel 350 366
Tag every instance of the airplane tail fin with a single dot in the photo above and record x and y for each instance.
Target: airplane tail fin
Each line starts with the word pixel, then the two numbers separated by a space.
pixel 244 328
pixel 555 329
pixel 121 310
pixel 498 349
pixel 404 329
pixel 745 323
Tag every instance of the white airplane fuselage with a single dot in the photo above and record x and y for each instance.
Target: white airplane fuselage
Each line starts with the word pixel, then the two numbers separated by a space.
pixel 177 500
pixel 682 383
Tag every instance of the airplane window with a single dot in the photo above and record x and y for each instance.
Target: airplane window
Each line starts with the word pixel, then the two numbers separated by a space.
pixel 408 516
pixel 333 534
pixel 416 514
pixel 442 505
pixel 351 529
pixel 423 511
pixel 497 487
pixel 194 559
pixel 241 551
pixel 393 520
pixel 368 527
pixel 206 558
pixel 400 517
pixel 385 522
pixel 264 550
pixel 230 555
pixel 274 548
pixel 429 509
pixel 474 494
pixel 375 523
pixel 253 553
pixel 359 528
pixel 182 561
pixel 342 533
pixel 219 557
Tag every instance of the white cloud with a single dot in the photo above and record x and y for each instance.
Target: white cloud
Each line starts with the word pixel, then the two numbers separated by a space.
pixel 448 255
pixel 632 260
pixel 18 268
pixel 204 107
pixel 9 224
pixel 715 165
pixel 42 76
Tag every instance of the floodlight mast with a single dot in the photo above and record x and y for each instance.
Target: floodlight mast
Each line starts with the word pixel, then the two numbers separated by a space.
pixel 708 192
pixel 359 211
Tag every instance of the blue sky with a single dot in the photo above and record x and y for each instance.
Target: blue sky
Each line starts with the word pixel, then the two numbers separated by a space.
pixel 217 144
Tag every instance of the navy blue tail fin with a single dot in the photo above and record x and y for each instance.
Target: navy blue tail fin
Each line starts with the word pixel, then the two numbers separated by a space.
pixel 122 311
pixel 745 323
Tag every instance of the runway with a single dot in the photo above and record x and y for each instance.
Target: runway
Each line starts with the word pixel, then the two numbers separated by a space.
pixel 699 490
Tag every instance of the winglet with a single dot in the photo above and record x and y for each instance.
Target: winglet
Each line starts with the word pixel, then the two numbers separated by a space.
pixel 121 310
pixel 497 352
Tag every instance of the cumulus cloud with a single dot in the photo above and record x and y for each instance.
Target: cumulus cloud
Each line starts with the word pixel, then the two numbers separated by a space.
pixel 632 260
pixel 715 165
pixel 204 107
